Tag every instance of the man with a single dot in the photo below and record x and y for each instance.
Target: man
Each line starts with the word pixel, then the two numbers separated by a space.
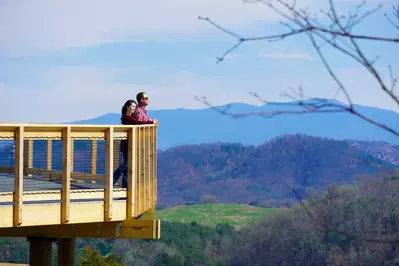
pixel 141 112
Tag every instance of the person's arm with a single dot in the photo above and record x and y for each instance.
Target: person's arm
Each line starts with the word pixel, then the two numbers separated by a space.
pixel 132 120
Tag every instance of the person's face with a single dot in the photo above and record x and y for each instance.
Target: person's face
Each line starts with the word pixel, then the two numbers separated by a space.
pixel 131 109
pixel 145 100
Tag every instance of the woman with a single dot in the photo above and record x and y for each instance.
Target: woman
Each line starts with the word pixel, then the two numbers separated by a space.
pixel 128 118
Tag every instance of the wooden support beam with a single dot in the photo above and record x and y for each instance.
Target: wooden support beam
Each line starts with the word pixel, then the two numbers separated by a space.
pixel 66 174
pixel 49 154
pixel 147 171
pixel 155 165
pixel 94 157
pixel 133 228
pixel 142 171
pixel 131 174
pixel 116 154
pixel 71 152
pixel 66 251
pixel 40 251
pixel 19 175
pixel 109 161
pixel 28 154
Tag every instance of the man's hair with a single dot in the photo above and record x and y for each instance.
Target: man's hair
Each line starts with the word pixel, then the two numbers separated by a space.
pixel 140 96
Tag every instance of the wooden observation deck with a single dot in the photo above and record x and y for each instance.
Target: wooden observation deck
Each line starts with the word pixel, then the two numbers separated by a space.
pixel 56 183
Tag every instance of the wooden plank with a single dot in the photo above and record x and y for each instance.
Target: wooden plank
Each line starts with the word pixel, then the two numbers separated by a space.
pixel 66 174
pixel 138 167
pixel 19 176
pixel 139 229
pixel 72 156
pixel 50 214
pixel 109 161
pixel 60 127
pixel 6 134
pixel 94 156
pixel 116 153
pixel 87 135
pixel 54 131
pixel 155 167
pixel 131 173
pixel 142 171
pixel 49 154
pixel 42 135
pixel 56 175
pixel 147 176
pixel 7 169
pixel 55 195
pixel 30 154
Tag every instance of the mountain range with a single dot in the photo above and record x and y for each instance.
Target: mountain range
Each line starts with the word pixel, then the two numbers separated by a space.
pixel 184 126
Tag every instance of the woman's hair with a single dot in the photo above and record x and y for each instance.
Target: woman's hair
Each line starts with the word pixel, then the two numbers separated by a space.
pixel 126 105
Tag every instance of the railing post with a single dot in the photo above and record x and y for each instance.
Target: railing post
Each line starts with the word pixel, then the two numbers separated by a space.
pixel 141 176
pixel 131 173
pixel 19 175
pixel 93 157
pixel 116 155
pixel 28 156
pixel 153 166
pixel 109 168
pixel 66 174
pixel 49 159
pixel 148 167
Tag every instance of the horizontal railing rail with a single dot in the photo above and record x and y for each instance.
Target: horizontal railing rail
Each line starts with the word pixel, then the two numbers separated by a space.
pixel 50 158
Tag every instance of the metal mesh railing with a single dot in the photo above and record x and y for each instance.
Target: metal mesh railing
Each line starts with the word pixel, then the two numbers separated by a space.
pixel 7 164
pixel 43 164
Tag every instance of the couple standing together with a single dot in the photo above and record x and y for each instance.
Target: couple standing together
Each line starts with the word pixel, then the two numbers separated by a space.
pixel 133 113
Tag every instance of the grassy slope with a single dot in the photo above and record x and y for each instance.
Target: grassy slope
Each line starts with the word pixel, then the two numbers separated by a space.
pixel 212 214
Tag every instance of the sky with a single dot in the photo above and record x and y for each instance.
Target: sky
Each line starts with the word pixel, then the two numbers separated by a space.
pixel 71 60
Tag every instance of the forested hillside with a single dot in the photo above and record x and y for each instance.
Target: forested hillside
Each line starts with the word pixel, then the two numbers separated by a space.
pixel 347 225
pixel 236 173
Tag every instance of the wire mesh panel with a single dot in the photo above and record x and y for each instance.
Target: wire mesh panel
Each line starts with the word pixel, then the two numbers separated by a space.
pixel 7 164
pixel 88 162
pixel 120 163
pixel 41 164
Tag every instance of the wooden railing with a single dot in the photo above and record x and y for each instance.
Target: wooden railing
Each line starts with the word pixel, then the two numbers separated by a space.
pixel 66 205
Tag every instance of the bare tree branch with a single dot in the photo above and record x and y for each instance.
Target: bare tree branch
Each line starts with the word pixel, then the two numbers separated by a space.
pixel 335 35
pixel 338 35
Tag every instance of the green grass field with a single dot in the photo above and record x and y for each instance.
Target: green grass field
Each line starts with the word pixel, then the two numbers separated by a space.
pixel 212 214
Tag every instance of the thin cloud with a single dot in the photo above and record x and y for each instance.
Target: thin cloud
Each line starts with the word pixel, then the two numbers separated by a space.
pixel 281 55
pixel 35 27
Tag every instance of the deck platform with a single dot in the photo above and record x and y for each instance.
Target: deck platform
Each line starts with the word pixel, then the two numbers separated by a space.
pixel 56 182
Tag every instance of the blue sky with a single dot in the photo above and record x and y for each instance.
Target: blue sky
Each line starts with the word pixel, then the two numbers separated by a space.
pixel 71 60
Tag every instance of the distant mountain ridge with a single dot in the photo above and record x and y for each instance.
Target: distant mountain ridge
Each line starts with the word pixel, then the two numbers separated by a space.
pixel 184 126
